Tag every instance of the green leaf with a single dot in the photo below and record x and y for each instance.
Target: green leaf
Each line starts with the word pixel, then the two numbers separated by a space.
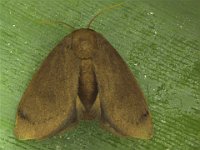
pixel 158 39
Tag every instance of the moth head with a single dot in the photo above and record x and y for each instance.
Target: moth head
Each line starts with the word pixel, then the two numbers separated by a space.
pixel 84 43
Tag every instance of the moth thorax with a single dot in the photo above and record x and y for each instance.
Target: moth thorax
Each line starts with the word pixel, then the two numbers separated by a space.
pixel 85 50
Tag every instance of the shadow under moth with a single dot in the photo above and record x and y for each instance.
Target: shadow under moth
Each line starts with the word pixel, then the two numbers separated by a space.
pixel 83 78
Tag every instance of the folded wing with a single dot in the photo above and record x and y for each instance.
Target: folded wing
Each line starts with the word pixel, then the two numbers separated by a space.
pixel 49 103
pixel 123 106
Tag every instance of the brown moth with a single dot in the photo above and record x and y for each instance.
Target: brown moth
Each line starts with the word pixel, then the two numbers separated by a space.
pixel 83 78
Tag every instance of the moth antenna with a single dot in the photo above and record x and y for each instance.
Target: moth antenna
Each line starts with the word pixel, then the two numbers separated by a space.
pixel 103 11
pixel 49 22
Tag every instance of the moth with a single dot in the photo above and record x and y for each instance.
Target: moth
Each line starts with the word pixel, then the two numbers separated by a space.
pixel 83 77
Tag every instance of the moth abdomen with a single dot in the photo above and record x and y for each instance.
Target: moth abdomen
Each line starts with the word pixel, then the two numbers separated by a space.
pixel 87 90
